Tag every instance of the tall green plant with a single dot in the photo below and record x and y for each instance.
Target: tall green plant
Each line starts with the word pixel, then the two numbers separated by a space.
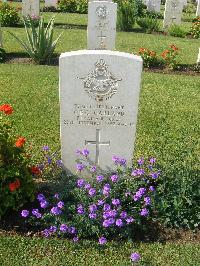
pixel 40 45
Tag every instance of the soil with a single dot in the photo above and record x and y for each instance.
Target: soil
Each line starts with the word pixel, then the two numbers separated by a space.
pixel 192 70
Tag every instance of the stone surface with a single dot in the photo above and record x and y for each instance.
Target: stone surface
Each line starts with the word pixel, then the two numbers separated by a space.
pixel 50 3
pixel 153 5
pixel 198 8
pixel 99 94
pixel 173 12
pixel 102 17
pixel 30 7
pixel 198 58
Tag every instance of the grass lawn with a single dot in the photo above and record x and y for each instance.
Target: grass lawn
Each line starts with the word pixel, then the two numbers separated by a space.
pixel 17 251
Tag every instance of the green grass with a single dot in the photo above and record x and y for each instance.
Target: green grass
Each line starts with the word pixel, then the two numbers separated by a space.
pixel 17 251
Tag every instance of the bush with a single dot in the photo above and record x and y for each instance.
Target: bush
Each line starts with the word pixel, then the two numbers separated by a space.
pixel 177 31
pixel 9 16
pixel 195 29
pixel 40 45
pixel 149 57
pixel 128 12
pixel 16 181
pixel 49 9
pixel 74 6
pixel 169 56
pixel 148 24
pixel 2 55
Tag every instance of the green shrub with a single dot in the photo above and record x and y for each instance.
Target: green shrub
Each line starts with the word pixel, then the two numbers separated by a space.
pixel 9 16
pixel 128 12
pixel 195 29
pixel 40 45
pixel 16 182
pixel 154 14
pixel 148 24
pixel 177 31
pixel 150 58
pixel 2 55
pixel 74 6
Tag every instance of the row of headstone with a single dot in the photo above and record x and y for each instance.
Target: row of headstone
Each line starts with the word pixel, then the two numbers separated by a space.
pixel 32 7
pixel 99 94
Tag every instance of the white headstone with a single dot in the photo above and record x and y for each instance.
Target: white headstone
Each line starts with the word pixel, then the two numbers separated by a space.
pixel 198 8
pixel 153 5
pixel 173 12
pixel 30 7
pixel 102 17
pixel 198 58
pixel 51 3
pixel 99 94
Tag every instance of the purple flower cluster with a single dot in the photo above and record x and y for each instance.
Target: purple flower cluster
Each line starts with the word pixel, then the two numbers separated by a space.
pixel 138 172
pixel 106 189
pixel 138 195
pixel 119 161
pixel 84 152
pixel 63 228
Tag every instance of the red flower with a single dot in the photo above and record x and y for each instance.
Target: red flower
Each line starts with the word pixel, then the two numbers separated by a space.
pixel 17 183
pixel 14 185
pixel 7 109
pixel 35 170
pixel 20 142
pixel 174 47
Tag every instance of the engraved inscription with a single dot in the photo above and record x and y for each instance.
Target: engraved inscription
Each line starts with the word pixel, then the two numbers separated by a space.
pixel 102 12
pixel 101 84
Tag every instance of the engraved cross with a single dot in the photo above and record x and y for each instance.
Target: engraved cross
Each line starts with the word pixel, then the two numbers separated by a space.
pixel 98 143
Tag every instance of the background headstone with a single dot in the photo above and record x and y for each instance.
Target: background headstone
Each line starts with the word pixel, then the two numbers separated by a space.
pixel 99 94
pixel 102 17
pixel 173 12
pixel 50 3
pixel 30 7
pixel 153 5
pixel 198 8
pixel 198 58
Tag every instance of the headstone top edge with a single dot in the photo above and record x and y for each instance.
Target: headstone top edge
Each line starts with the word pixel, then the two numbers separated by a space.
pixel 101 52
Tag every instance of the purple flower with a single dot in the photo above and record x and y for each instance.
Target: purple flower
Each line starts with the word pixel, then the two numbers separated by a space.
pixel 78 152
pixel 102 240
pixel 75 239
pixel 72 230
pixel 46 233
pixel 59 163
pixel 137 172
pixel 80 182
pixel 80 166
pixel 93 208
pixel 85 152
pixel 44 204
pixel 152 188
pixel 116 202
pixel 100 202
pixel 128 193
pixel 52 229
pixel 106 207
pixel 49 160
pixel 141 161
pixel 63 228
pixel 119 222
pixel 93 169
pixel 114 178
pixel 40 197
pixel 45 148
pixel 147 201
pixel 130 220
pixel 152 160
pixel 134 172
pixel 135 257
pixel 123 214
pixel 122 162
pixel 36 213
pixel 108 222
pixel 106 189
pixel 117 160
pixel 80 209
pixel 56 211
pixel 100 178
pixel 144 212
pixel 92 192
pixel 92 215
pixel 142 190
pixel 109 214
pixel 60 204
pixel 56 196
pixel 25 213
pixel 87 186
pixel 155 175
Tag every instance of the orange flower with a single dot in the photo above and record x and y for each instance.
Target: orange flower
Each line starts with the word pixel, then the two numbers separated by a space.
pixel 6 108
pixel 174 47
pixel 20 142
pixel 152 53
pixel 142 50
pixel 35 170
pixel 164 54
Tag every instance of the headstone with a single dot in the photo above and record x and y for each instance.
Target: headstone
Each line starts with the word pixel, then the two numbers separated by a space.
pixel 198 58
pixel 173 12
pixel 1 37
pixel 30 7
pixel 102 17
pixel 99 94
pixel 51 3
pixel 198 8
pixel 153 5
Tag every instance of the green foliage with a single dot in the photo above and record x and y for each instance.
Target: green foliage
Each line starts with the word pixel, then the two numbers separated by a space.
pixel 154 14
pixel 2 55
pixel 9 16
pixel 40 45
pixel 128 12
pixel 177 31
pixel 16 182
pixel 32 20
pixel 148 24
pixel 74 6
pixel 195 29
